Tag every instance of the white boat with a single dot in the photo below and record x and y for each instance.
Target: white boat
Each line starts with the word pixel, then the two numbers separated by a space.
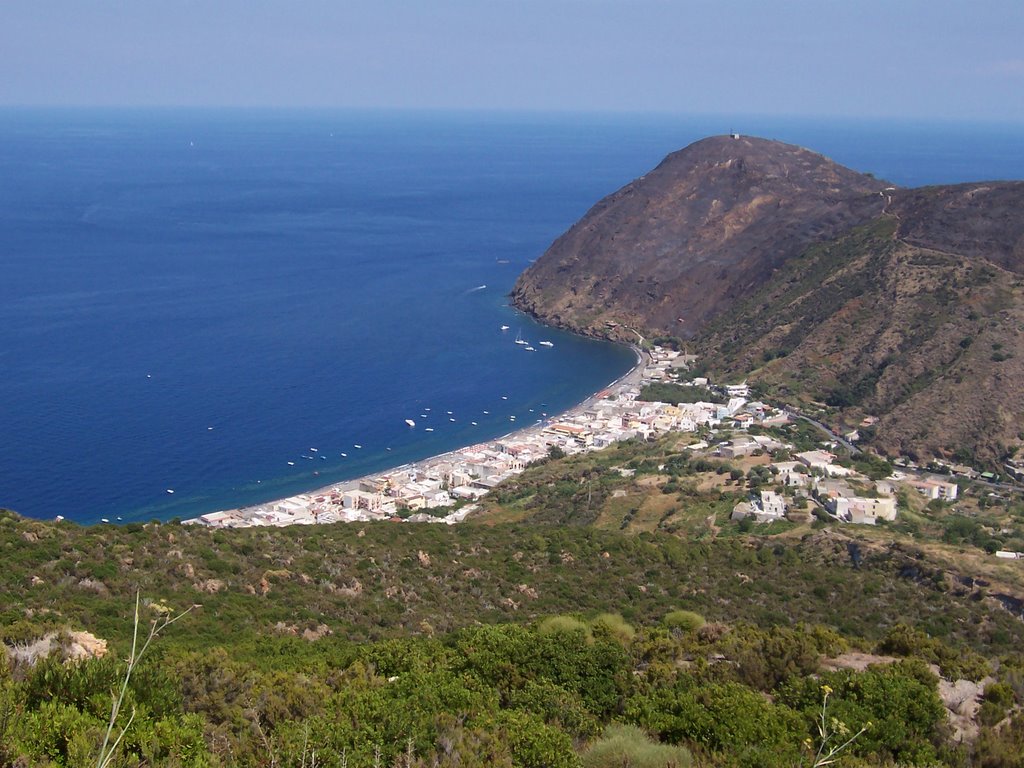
pixel 529 349
pixel 410 422
pixel 104 520
pixel 170 490
pixel 520 339
pixel 314 450
pixel 291 463
pixel 473 423
pixel 344 455
pixel 487 413
pixel 547 344
pixel 429 429
pixel 357 445
pixel 451 419
pixel 504 327
pixel 511 418
pixel 504 397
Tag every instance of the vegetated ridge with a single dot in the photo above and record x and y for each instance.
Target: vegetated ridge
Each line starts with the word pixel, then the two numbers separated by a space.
pixel 821 283
pixel 427 646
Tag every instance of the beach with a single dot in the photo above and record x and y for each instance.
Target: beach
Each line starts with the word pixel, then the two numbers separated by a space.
pixel 442 488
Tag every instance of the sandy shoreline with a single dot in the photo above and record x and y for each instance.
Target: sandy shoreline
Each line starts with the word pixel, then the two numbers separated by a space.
pixel 531 434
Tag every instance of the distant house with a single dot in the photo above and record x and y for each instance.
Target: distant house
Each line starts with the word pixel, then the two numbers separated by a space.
pixel 789 476
pixel 766 508
pixel 740 446
pixel 371 502
pixel 772 504
pixel 467 492
pixel 935 488
pixel 844 503
pixel 737 390
pixel 822 461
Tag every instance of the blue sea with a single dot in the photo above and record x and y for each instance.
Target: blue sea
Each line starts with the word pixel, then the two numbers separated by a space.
pixel 195 300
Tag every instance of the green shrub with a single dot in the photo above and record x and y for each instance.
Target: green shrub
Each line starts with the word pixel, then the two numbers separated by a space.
pixel 997 700
pixel 728 718
pixel 628 745
pixel 614 626
pixel 903 640
pixel 563 625
pixel 900 701
pixel 684 621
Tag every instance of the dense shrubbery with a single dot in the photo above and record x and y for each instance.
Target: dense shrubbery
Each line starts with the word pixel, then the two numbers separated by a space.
pixel 540 696
pixel 408 654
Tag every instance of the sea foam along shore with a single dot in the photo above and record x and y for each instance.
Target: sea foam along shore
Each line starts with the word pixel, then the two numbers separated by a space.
pixel 433 483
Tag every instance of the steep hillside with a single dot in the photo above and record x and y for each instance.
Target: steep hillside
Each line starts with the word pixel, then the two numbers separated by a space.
pixel 823 284
pixel 927 340
pixel 677 246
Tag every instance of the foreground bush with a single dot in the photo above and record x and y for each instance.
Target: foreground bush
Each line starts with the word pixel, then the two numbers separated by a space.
pixel 627 745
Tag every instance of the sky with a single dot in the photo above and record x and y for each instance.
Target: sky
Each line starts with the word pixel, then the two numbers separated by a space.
pixel 930 59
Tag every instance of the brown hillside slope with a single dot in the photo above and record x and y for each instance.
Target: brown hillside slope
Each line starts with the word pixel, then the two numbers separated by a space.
pixel 825 284
pixel 929 341
pixel 975 220
pixel 710 223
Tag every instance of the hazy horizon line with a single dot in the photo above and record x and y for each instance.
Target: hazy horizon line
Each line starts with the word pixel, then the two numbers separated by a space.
pixel 513 111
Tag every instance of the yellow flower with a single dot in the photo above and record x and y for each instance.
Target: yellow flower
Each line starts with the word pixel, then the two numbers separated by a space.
pixel 826 690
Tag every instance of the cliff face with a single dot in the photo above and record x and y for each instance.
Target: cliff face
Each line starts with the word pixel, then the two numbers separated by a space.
pixel 817 282
pixel 679 245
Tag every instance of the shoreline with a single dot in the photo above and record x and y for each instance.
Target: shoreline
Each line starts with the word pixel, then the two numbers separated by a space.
pixel 237 516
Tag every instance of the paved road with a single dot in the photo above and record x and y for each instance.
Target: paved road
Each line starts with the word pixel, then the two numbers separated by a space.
pixel 853 449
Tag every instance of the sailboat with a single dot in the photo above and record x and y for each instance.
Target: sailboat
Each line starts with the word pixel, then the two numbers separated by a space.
pixel 520 339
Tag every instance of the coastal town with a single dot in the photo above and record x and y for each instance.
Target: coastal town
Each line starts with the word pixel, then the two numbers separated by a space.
pixel 444 489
